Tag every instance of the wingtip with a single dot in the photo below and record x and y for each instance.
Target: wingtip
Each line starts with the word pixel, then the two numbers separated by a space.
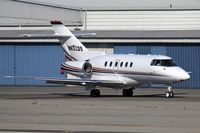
pixel 56 22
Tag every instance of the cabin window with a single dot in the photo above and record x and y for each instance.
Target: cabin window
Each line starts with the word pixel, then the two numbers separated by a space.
pixel 116 63
pixel 131 64
pixel 121 64
pixel 163 62
pixel 110 63
pixel 126 64
pixel 105 63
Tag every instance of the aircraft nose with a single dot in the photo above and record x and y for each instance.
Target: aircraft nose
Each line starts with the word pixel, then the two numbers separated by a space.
pixel 181 75
pixel 186 76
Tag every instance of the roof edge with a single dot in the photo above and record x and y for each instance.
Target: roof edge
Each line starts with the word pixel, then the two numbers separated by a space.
pixel 49 4
pixel 141 9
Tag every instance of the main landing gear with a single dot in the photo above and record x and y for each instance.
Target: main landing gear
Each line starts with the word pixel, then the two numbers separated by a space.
pixel 95 93
pixel 169 93
pixel 127 92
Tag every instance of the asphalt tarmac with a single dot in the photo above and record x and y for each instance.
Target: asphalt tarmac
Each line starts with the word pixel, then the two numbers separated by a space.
pixel 71 109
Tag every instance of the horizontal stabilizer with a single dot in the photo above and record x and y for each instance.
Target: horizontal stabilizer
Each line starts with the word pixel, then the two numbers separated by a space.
pixel 38 36
pixel 47 36
pixel 43 36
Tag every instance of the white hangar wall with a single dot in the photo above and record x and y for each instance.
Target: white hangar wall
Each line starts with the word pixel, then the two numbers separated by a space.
pixel 25 13
pixel 165 19
pixel 108 48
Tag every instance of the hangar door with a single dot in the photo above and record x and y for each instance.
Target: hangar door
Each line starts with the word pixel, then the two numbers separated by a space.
pixel 29 59
pixel 185 55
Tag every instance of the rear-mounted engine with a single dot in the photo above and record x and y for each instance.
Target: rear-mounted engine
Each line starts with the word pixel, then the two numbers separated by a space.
pixel 87 68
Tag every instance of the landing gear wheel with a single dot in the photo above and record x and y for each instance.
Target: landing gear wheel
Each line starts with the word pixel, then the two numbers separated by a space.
pixel 130 92
pixel 95 93
pixel 98 93
pixel 127 92
pixel 169 94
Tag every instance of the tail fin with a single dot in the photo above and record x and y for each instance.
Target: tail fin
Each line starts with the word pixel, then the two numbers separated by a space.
pixel 73 48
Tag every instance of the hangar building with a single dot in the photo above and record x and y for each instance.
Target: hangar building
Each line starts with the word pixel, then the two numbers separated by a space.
pixel 172 32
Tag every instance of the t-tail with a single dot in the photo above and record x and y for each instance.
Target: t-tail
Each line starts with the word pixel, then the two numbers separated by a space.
pixel 73 48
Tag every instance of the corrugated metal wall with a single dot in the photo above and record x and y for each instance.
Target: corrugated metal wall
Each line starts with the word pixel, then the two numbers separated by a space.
pixel 24 13
pixel 35 59
pixel 143 20
pixel 185 55
pixel 188 58
pixel 7 64
pixel 44 59
pixel 29 59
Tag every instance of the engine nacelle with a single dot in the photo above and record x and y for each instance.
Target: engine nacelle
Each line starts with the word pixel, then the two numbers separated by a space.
pixel 78 68
pixel 87 68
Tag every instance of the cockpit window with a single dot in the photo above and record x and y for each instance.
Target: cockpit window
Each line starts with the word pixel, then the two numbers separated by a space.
pixel 163 62
pixel 155 63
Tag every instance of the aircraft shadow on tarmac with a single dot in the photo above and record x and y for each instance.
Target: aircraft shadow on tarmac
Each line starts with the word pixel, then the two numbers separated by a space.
pixel 81 95
pixel 134 96
pixel 57 131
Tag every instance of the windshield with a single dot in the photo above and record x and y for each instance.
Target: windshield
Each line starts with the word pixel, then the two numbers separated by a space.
pixel 163 62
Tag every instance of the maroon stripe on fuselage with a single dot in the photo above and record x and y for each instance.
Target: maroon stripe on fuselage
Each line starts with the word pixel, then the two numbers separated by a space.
pixel 67 67
pixel 70 69
pixel 102 70
pixel 68 58
pixel 71 57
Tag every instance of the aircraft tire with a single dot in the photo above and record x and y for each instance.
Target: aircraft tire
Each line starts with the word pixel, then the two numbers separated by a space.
pixel 169 94
pixel 130 92
pixel 95 93
pixel 98 94
pixel 124 92
pixel 127 92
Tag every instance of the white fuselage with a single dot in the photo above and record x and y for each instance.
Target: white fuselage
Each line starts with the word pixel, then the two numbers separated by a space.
pixel 132 70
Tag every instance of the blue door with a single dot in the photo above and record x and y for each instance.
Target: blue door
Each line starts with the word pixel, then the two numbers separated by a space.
pixel 7 67
pixel 30 59
pixel 39 60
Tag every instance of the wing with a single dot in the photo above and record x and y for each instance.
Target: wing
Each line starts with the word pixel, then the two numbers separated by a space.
pixel 81 82
pixel 84 82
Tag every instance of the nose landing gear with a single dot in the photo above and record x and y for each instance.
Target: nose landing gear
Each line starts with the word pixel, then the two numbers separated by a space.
pixel 169 93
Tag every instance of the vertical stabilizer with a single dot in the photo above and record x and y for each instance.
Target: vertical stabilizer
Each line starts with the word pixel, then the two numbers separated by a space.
pixel 73 48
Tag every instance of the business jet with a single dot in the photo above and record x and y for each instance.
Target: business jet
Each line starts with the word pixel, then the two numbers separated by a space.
pixel 117 71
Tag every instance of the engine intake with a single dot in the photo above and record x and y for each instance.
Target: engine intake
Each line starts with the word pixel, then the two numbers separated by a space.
pixel 87 68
